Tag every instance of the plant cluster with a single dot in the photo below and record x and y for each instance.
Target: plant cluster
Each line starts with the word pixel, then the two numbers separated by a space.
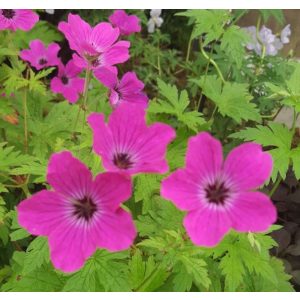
pixel 113 176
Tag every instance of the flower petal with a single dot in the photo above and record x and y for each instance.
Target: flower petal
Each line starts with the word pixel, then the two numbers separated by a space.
pixel 41 213
pixel 180 188
pixel 102 138
pixel 111 189
pixel 70 246
pixel 103 36
pixel 207 227
pixel 252 211
pixel 130 84
pixel 116 54
pixel 107 76
pixel 248 166
pixel 76 31
pixel 115 231
pixel 68 175
pixel 204 156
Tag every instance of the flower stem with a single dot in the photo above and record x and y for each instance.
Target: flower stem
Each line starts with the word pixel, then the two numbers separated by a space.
pixel 211 61
pixel 86 87
pixel 275 186
pixel 188 52
pixel 158 59
pixel 263 53
pixel 25 115
pixel 83 106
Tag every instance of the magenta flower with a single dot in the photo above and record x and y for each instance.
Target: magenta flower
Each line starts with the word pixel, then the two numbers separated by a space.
pixel 67 81
pixel 128 89
pixel 126 144
pixel 40 56
pixel 219 196
pixel 127 24
pixel 14 19
pixel 96 47
pixel 80 214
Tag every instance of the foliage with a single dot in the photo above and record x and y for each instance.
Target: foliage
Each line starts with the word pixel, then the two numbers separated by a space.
pixel 206 81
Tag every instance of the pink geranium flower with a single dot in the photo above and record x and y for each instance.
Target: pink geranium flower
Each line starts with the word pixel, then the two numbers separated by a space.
pixel 14 19
pixel 96 47
pixel 80 214
pixel 128 89
pixel 41 56
pixel 67 81
pixel 126 144
pixel 219 196
pixel 127 24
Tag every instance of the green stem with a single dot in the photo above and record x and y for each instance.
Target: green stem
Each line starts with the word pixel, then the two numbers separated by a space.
pixel 158 60
pixel 275 186
pixel 239 17
pixel 85 98
pixel 211 61
pixel 86 87
pixel 214 112
pixel 188 52
pixel 205 76
pixel 263 53
pixel 25 115
pixel 295 115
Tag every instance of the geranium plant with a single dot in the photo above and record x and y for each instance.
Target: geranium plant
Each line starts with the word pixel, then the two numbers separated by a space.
pixel 130 161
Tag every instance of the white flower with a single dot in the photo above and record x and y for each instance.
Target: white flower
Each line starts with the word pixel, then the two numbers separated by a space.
pixel 49 11
pixel 285 33
pixel 155 20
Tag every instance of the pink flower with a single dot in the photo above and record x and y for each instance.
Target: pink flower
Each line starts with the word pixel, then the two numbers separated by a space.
pixel 96 47
pixel 128 89
pixel 127 24
pixel 219 196
pixel 126 144
pixel 80 214
pixel 14 19
pixel 67 81
pixel 40 56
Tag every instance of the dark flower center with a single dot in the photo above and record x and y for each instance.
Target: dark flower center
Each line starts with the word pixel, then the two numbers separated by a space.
pixel 42 61
pixel 84 208
pixel 217 193
pixel 8 13
pixel 122 161
pixel 93 59
pixel 65 80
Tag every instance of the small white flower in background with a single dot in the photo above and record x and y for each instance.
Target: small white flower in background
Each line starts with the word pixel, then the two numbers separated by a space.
pixel 49 11
pixel 285 34
pixel 155 20
pixel 271 42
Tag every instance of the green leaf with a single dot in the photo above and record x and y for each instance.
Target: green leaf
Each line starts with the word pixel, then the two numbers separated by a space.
pixel 9 158
pixel 145 276
pixel 276 13
pixel 196 268
pixel 279 137
pixel 104 271
pixel 146 186
pixel 209 22
pixel 37 254
pixel 233 100
pixel 233 42
pixel 176 104
pixel 43 30
pixel 18 233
